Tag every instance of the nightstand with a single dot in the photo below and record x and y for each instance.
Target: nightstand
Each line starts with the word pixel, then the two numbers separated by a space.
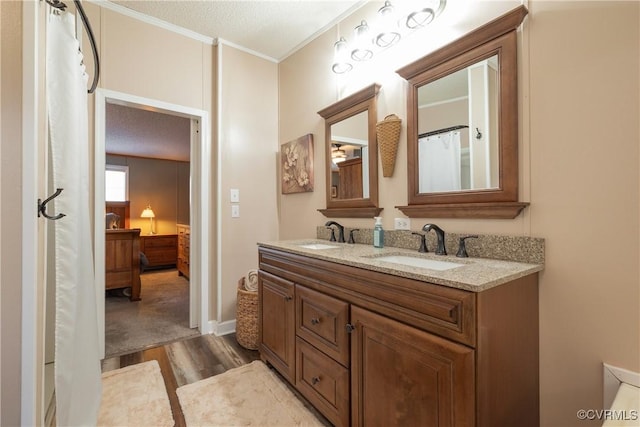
pixel 160 249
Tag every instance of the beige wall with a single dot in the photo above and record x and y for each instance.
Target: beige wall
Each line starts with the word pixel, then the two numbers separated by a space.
pixel 159 183
pixel 579 109
pixel 10 211
pixel 144 60
pixel 248 93
pixel 584 194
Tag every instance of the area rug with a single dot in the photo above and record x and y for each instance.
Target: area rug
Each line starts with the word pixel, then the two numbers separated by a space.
pixel 135 396
pixel 250 395
pixel 161 317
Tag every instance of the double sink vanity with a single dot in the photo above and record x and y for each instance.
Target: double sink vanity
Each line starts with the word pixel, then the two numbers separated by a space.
pixel 390 336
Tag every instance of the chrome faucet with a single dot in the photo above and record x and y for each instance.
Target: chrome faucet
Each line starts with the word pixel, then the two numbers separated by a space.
pixel 340 231
pixel 440 250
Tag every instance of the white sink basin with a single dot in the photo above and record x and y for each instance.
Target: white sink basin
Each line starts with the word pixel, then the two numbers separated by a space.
pixel 410 261
pixel 318 246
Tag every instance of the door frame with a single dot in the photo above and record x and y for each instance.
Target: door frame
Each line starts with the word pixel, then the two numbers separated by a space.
pixel 200 200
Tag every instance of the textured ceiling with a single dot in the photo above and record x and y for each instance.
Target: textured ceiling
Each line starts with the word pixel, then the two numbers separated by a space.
pixel 141 133
pixel 273 28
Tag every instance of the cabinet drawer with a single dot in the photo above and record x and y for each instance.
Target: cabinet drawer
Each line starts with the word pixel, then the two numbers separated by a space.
pixel 324 382
pixel 159 242
pixel 161 256
pixel 321 320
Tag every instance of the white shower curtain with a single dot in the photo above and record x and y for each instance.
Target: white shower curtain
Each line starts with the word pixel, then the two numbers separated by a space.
pixel 77 359
pixel 439 163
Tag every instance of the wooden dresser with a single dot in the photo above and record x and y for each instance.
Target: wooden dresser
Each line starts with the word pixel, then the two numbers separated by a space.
pixel 184 232
pixel 160 249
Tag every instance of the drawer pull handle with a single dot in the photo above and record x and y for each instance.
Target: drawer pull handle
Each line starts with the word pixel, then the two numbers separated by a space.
pixel 288 298
pixel 315 380
pixel 315 321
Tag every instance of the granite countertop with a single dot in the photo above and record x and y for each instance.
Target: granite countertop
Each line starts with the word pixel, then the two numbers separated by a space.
pixel 476 274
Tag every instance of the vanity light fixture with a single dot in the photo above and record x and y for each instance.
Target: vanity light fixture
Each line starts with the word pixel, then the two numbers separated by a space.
pixel 362 48
pixel 148 213
pixel 420 18
pixel 341 62
pixel 391 24
pixel 389 32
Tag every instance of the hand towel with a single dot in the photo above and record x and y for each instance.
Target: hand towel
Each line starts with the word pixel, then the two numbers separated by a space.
pixel 251 281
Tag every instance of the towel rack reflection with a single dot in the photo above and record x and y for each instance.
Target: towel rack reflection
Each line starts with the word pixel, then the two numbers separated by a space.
pixel 444 130
pixel 59 5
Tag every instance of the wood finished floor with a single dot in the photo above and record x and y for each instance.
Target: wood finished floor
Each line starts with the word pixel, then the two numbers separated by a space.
pixel 190 360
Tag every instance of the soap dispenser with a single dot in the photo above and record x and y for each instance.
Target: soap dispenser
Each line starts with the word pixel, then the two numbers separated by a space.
pixel 378 233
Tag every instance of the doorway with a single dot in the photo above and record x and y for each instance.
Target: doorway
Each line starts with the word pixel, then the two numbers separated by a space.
pixel 200 173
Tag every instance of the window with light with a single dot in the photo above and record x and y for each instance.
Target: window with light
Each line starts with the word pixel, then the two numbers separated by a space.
pixel 116 180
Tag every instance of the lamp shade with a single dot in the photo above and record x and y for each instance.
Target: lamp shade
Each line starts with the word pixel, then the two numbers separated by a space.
pixel 147 213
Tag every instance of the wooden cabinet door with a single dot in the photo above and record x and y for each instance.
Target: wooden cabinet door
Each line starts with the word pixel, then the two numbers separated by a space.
pixel 402 376
pixel 276 313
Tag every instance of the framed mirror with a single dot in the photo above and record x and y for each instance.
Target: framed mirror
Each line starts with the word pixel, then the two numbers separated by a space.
pixel 462 126
pixel 351 156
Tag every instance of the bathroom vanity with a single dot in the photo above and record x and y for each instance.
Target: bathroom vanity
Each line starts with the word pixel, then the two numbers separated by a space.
pixel 380 342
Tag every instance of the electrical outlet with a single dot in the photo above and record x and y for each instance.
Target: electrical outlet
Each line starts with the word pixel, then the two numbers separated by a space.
pixel 402 224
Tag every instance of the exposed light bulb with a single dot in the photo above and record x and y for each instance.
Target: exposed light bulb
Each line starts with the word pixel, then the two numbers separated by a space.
pixel 389 34
pixel 420 18
pixel 362 50
pixel 341 62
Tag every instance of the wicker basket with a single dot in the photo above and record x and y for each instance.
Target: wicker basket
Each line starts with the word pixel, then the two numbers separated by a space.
pixel 247 317
pixel 388 133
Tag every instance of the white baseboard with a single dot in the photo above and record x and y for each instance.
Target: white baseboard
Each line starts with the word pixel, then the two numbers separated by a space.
pixel 222 328
pixel 613 377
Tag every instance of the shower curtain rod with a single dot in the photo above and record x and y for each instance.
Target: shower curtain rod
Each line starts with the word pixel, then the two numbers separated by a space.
pixel 444 130
pixel 59 5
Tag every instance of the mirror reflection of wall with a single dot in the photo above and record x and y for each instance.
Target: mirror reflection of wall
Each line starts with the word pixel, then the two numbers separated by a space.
pixel 350 158
pixel 466 158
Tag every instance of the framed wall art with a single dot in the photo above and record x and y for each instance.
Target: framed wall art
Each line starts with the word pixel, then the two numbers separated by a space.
pixel 296 165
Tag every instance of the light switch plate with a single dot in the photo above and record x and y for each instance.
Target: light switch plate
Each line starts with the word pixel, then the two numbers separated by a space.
pixel 234 195
pixel 235 211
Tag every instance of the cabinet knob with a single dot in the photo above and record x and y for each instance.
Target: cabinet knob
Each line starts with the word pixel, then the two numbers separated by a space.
pixel 288 297
pixel 315 321
pixel 350 328
pixel 315 380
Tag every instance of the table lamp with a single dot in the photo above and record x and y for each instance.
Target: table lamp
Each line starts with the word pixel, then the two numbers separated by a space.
pixel 148 213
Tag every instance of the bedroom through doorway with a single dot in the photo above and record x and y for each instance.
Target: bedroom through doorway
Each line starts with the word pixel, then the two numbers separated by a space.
pixel 147 182
pixel 148 193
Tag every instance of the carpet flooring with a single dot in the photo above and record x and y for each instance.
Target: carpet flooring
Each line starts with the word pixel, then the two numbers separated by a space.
pixel 162 316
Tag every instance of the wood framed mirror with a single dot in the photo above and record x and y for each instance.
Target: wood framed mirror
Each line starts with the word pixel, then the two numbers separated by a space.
pixel 462 126
pixel 351 156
